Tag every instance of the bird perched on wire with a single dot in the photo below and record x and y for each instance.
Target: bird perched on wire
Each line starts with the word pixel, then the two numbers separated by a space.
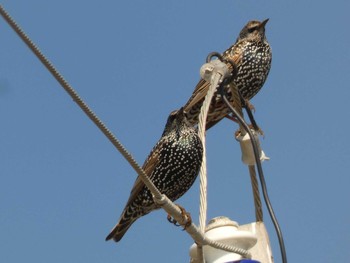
pixel 172 165
pixel 252 56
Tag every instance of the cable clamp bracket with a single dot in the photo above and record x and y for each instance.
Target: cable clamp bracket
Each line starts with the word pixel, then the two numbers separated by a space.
pixel 214 67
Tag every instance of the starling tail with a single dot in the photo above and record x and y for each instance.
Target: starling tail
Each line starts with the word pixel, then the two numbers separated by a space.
pixel 127 218
pixel 172 165
pixel 252 55
pixel 120 229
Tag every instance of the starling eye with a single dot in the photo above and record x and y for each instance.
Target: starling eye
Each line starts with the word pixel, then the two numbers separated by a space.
pixel 252 29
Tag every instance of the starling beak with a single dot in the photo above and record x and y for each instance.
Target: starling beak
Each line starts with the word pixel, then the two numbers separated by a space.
pixel 263 23
pixel 252 55
pixel 172 165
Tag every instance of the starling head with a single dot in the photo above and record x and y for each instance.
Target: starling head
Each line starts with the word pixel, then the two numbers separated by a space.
pixel 176 122
pixel 253 30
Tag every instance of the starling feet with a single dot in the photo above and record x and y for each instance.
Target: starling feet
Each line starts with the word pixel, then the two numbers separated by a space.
pixel 251 126
pixel 257 129
pixel 249 105
pixel 186 216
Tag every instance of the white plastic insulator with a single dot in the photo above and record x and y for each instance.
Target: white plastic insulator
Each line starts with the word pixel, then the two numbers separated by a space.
pixel 210 69
pixel 224 230
pixel 248 157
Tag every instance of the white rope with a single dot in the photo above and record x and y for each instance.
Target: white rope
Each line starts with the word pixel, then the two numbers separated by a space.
pixel 213 72
pixel 203 170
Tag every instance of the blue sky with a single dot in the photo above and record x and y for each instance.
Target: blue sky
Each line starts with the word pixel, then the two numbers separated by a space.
pixel 63 185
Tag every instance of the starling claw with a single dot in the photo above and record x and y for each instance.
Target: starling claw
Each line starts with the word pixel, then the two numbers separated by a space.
pixel 248 104
pixel 257 129
pixel 249 108
pixel 186 216
pixel 172 220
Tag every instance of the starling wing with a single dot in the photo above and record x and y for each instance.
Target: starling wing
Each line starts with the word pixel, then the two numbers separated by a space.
pixel 128 216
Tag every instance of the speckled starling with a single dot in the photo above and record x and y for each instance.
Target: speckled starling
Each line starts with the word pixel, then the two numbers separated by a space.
pixel 173 165
pixel 252 55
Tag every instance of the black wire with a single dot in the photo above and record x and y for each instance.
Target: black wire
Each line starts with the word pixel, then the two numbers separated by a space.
pixel 233 74
pixel 249 112
pixel 213 54
pixel 260 172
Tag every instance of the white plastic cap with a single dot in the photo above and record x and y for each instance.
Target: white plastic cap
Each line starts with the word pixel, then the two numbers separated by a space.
pixel 248 157
pixel 224 230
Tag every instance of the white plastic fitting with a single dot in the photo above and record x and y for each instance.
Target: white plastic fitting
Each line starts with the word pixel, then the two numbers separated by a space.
pixel 224 230
pixel 208 70
pixel 248 157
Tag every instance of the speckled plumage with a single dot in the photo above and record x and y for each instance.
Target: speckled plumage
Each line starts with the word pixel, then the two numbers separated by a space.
pixel 252 55
pixel 173 165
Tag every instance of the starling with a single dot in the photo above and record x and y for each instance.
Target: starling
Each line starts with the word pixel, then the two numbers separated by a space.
pixel 172 165
pixel 252 56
